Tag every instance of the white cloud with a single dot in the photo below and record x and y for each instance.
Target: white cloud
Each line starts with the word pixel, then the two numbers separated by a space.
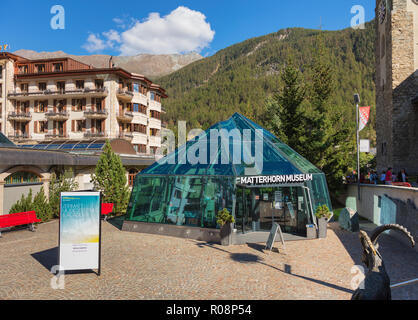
pixel 182 30
pixel 94 43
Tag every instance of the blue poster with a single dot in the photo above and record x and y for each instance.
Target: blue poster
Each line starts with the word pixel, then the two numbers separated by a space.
pixel 79 230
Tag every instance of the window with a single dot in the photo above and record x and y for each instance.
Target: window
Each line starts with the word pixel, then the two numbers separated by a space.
pixel 23 69
pixel 153 150
pixel 58 67
pixel 98 84
pixel 154 132
pixel 155 114
pixel 42 86
pixel 78 125
pixel 152 95
pixel 1 90
pixel 132 175
pixel 1 72
pixel 40 68
pixel 79 84
pixel 139 128
pixel 61 86
pixel 139 108
pixel 22 177
pixel 41 106
pixel 24 87
pixel 140 148
pixel 40 126
pixel 78 104
pixel 136 87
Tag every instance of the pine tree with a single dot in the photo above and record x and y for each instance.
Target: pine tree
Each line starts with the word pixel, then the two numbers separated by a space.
pixel 284 109
pixel 110 179
pixel 25 204
pixel 62 183
pixel 41 206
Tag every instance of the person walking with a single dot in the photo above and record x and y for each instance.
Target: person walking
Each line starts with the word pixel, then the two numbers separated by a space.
pixel 389 177
pixel 383 177
pixel 402 176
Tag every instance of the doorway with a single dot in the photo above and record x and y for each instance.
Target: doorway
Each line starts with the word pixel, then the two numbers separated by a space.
pixel 258 208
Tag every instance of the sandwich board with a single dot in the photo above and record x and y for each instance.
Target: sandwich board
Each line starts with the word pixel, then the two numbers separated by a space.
pixel 272 237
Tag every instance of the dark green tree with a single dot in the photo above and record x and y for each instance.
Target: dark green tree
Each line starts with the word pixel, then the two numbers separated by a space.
pixel 41 206
pixel 284 109
pixel 64 182
pixel 24 204
pixel 110 178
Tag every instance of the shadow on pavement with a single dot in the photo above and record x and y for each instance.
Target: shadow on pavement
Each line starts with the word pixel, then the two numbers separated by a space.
pixel 117 222
pixel 47 258
pixel 252 258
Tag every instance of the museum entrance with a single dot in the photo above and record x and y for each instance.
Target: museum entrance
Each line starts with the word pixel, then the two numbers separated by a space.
pixel 258 208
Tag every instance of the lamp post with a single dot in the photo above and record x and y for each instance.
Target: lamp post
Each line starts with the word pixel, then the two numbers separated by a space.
pixel 357 102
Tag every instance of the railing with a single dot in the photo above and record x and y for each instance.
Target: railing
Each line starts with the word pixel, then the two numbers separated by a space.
pixel 20 115
pixel 95 113
pixel 19 136
pixel 126 135
pixel 57 92
pixel 125 92
pixel 57 114
pixel 58 135
pixel 94 134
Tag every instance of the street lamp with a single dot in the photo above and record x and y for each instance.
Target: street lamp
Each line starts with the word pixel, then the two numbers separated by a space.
pixel 357 102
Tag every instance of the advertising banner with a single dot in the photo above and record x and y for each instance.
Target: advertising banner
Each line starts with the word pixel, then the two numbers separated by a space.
pixel 79 234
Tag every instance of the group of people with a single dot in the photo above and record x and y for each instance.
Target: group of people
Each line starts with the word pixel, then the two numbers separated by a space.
pixel 386 177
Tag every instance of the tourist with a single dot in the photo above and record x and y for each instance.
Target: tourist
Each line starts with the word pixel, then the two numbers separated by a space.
pixel 402 176
pixel 383 177
pixel 389 177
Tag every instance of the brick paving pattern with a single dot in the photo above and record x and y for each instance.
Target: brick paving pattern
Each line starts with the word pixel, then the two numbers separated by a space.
pixel 141 266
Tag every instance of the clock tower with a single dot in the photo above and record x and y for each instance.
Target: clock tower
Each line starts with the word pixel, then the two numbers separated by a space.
pixel 397 85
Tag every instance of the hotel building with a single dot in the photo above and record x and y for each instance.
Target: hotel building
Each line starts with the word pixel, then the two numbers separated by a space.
pixel 62 103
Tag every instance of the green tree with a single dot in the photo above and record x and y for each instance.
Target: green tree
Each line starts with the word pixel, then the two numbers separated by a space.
pixel 41 206
pixel 24 204
pixel 110 178
pixel 64 182
pixel 284 109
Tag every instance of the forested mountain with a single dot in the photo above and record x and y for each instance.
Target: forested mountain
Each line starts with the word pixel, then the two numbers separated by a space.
pixel 240 78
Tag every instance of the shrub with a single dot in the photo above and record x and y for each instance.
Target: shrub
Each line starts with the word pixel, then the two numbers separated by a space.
pixel 24 204
pixel 223 217
pixel 62 183
pixel 323 212
pixel 42 206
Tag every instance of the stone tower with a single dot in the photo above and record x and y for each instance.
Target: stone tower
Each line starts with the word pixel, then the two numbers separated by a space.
pixel 397 84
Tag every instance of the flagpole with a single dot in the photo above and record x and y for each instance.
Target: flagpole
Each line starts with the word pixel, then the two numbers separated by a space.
pixel 357 101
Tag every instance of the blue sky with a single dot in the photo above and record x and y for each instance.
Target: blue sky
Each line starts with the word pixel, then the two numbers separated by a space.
pixel 198 25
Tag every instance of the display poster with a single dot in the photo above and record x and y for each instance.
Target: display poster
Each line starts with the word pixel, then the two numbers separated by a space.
pixel 278 198
pixel 79 232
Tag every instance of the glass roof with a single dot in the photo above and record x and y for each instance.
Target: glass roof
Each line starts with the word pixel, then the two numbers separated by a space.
pixel 277 158
pixel 69 146
pixel 5 142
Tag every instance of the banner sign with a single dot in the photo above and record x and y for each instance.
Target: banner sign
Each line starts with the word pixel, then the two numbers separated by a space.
pixel 280 179
pixel 80 231
pixel 364 117
pixel 278 198
pixel 365 146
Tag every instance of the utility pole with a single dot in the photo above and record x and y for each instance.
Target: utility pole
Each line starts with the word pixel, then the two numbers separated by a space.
pixel 357 101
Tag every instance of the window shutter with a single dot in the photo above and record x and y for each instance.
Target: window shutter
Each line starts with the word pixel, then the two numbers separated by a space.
pixel 92 104
pixel 35 127
pixel 73 105
pixel 65 129
pixel 72 125
pixel 55 105
pixel 35 106
pixel 103 104
pixel 103 125
pixel 84 125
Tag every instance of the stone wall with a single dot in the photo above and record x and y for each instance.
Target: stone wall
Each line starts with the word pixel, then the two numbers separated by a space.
pixel 385 205
pixel 396 86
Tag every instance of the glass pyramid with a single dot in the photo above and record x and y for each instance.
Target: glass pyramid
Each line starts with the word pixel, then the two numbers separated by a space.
pixel 190 185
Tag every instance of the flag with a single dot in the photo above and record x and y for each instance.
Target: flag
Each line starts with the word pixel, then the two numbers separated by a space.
pixel 364 117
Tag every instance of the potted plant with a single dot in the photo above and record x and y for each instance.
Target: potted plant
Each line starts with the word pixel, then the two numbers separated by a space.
pixel 224 220
pixel 323 215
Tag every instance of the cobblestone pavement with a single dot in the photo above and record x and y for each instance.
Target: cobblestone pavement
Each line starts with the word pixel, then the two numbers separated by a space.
pixel 141 266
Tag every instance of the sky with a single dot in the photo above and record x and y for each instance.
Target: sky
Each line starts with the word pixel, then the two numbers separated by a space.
pixel 162 26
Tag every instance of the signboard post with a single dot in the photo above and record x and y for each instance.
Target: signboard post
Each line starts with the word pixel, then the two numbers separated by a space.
pixel 272 237
pixel 80 231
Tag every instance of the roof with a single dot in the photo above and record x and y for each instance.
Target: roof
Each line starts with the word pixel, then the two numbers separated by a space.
pixel 24 156
pixel 5 142
pixel 278 158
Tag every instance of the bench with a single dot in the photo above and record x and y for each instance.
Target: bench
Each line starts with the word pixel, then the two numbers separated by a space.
pixel 19 219
pixel 402 184
pixel 107 208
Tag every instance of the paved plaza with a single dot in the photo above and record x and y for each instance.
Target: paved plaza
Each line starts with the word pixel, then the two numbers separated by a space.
pixel 142 266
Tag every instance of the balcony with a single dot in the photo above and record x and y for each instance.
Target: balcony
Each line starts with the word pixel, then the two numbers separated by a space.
pixel 125 95
pixel 99 92
pixel 126 135
pixel 56 135
pixel 95 114
pixel 125 117
pixel 89 135
pixel 19 136
pixel 57 115
pixel 20 116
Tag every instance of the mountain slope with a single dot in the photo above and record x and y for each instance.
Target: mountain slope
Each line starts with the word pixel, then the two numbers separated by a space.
pixel 147 64
pixel 241 77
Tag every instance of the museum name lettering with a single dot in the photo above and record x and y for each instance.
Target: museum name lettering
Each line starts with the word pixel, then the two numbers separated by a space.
pixel 295 178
